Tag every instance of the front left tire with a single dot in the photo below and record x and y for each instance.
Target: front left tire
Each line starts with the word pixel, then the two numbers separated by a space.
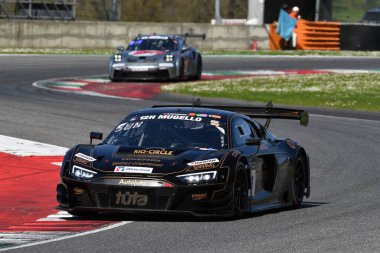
pixel 240 196
pixel 198 70
pixel 181 71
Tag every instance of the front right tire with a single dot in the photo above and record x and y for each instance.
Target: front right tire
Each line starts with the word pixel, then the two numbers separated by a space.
pixel 117 76
pixel 298 186
pixel 198 70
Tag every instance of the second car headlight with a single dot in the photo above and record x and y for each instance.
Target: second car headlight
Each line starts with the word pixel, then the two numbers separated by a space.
pixel 169 57
pixel 117 57
pixel 82 173
pixel 201 177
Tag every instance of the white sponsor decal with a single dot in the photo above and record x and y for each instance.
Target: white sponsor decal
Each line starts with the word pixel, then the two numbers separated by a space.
pixel 155 37
pixel 221 129
pixel 127 126
pixel 179 117
pixel 214 160
pixel 133 169
pixel 118 65
pixel 85 157
pixel 141 68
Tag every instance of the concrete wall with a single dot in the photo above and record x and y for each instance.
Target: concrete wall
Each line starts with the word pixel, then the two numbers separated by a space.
pixel 85 34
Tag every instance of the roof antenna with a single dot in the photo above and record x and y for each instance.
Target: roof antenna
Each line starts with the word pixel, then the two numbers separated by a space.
pixel 268 110
pixel 196 102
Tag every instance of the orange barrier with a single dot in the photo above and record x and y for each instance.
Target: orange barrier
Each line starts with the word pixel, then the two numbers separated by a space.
pixel 310 36
pixel 317 35
pixel 275 40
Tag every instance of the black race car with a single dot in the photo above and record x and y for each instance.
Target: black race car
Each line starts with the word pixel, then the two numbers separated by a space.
pixel 188 159
pixel 157 57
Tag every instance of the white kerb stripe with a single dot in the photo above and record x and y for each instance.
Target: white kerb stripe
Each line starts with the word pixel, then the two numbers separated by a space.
pixel 69 236
pixel 21 147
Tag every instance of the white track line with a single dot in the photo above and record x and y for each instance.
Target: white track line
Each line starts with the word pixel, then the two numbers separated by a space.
pixel 21 147
pixel 69 236
pixel 345 118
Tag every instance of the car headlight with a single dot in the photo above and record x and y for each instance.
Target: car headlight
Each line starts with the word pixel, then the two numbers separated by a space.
pixel 82 173
pixel 117 57
pixel 169 57
pixel 201 177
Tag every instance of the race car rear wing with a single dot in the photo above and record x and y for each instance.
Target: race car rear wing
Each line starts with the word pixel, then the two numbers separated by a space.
pixel 268 112
pixel 186 35
pixel 189 35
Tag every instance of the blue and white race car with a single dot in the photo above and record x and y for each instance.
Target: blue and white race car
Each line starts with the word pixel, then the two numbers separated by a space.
pixel 157 57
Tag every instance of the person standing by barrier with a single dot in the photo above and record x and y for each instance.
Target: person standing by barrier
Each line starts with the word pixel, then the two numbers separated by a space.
pixel 294 14
pixel 285 27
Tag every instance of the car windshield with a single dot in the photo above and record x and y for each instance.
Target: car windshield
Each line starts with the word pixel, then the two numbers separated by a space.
pixel 153 43
pixel 371 17
pixel 171 130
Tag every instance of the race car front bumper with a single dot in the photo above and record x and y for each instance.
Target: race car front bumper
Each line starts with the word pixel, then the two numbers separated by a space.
pixel 107 195
pixel 151 71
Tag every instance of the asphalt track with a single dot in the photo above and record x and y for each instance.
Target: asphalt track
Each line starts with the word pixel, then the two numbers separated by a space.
pixel 342 214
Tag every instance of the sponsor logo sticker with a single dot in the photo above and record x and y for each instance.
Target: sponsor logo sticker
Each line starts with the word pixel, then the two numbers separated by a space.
pixel 85 157
pixel 153 152
pixel 132 182
pixel 196 163
pixel 198 196
pixel 131 199
pixel 133 169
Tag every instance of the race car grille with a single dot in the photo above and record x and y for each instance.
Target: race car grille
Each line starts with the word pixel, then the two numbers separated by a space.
pixel 134 198
pixel 147 75
pixel 141 59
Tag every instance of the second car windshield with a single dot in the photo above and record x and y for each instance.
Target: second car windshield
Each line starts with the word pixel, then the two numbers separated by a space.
pixel 152 44
pixel 170 131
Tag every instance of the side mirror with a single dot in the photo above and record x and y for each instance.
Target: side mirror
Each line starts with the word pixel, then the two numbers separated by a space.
pixel 253 141
pixel 120 49
pixel 184 49
pixel 95 136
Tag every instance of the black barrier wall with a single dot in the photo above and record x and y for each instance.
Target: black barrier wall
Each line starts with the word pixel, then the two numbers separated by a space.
pixel 272 9
pixel 360 37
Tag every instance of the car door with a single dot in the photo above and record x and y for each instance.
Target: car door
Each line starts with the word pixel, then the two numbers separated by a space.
pixel 187 55
pixel 241 131
pixel 275 170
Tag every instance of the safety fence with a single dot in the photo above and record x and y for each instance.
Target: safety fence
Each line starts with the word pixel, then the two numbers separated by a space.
pixel 38 9
pixel 309 36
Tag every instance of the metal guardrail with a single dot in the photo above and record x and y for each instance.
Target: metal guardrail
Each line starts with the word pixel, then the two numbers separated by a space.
pixel 38 9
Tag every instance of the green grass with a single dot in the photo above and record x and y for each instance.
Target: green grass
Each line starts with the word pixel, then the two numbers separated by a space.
pixel 292 52
pixel 108 51
pixel 349 91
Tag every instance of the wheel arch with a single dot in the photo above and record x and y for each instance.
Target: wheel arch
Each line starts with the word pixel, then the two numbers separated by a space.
pixel 244 161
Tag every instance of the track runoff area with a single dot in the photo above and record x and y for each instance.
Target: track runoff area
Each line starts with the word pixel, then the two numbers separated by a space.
pixel 101 85
pixel 29 173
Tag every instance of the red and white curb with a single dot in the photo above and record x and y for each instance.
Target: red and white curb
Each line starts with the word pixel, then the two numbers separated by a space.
pixel 101 86
pixel 29 173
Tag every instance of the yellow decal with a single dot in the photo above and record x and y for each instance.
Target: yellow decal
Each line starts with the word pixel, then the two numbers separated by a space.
pixel 153 152
pixel 78 191
pixel 199 196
